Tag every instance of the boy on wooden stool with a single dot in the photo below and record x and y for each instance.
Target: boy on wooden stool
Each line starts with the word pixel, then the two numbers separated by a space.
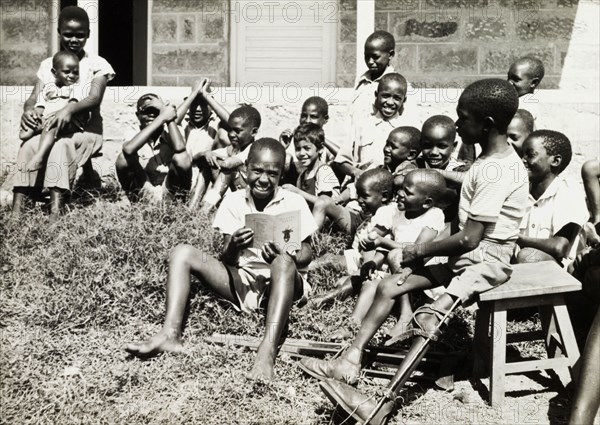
pixel 244 276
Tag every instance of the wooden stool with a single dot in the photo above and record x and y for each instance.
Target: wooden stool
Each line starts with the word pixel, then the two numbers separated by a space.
pixel 537 284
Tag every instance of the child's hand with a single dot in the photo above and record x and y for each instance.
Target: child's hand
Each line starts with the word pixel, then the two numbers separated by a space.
pixel 290 187
pixel 197 86
pixel 285 138
pixel 403 275
pixel 168 112
pixel 370 242
pixel 30 119
pixel 213 159
pixel 242 238
pixel 409 253
pixel 367 269
pixel 205 86
pixel 270 251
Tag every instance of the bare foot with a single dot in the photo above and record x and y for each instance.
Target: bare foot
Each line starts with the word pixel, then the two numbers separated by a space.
pixel 402 325
pixel 34 164
pixel 263 367
pixel 162 342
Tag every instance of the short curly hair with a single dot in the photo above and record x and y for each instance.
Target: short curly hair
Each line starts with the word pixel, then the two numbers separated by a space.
pixel 379 179
pixel 248 114
pixel 393 76
pixel 535 66
pixel 388 40
pixel 412 133
pixel 267 143
pixel 525 116
pixel 443 121
pixel 493 98
pixel 319 102
pixel 310 132
pixel 555 143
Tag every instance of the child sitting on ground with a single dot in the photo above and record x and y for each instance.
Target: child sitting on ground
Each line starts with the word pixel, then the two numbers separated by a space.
pixel 366 149
pixel 53 97
pixel 225 166
pixel 244 276
pixel 316 178
pixel 155 164
pixel 479 254
pixel 414 219
pixel 557 209
pixel 375 189
pixel 401 149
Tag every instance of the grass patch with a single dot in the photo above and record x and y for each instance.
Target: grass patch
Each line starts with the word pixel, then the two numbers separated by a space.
pixel 74 292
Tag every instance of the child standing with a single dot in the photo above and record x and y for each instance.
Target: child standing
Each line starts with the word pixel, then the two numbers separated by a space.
pixel 155 164
pixel 316 178
pixel 243 276
pixel 557 209
pixel 53 97
pixel 479 254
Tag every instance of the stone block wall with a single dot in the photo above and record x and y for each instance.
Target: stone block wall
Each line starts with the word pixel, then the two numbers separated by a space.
pixel 450 43
pixel 25 30
pixel 190 39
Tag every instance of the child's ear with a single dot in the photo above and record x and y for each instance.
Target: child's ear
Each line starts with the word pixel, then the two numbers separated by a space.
pixel 53 71
pixel 392 53
pixel 254 131
pixel 412 155
pixel 326 118
pixel 556 160
pixel 488 124
pixel 428 203
pixel 385 197
pixel 535 81
pixel 455 144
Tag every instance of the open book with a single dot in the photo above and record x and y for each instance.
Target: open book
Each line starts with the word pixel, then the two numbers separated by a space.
pixel 283 229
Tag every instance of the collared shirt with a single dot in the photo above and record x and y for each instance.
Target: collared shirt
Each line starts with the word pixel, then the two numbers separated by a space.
pixel 366 150
pixel 406 230
pixel 231 216
pixel 562 203
pixel 364 96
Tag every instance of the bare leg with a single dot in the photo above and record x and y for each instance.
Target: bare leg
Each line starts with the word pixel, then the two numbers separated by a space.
pixel 285 283
pixel 20 197
pixel 587 395
pixel 337 262
pixel 204 179
pixel 325 207
pixel 590 173
pixel 345 286
pixel 365 300
pixel 532 255
pixel 179 177
pixel 47 139
pixel 406 313
pixel 131 175
pixel 183 261
pixel 56 203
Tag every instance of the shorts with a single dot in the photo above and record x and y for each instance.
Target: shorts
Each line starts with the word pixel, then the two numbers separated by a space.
pixel 474 272
pixel 252 289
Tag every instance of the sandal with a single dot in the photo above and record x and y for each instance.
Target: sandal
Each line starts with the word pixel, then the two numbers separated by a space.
pixel 418 330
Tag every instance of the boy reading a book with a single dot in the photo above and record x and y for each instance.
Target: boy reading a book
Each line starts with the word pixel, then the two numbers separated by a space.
pixel 243 275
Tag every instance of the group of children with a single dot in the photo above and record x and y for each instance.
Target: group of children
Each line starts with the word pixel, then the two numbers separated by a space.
pixel 419 218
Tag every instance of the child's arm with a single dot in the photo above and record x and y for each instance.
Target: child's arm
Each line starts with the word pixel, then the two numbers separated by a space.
pixel 302 257
pixel 558 246
pixel 167 114
pixel 590 173
pixel 310 199
pixel 221 112
pixel 453 176
pixel 176 138
pixel 347 169
pixel 230 163
pixel 185 106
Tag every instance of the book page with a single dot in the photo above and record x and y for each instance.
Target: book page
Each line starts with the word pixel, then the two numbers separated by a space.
pixel 263 226
pixel 287 236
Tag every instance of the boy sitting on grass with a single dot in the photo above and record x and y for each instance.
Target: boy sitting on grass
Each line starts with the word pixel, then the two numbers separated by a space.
pixel 244 276
pixel 155 164
pixel 317 178
pixel 557 207
pixel 479 254
pixel 53 97
pixel 402 147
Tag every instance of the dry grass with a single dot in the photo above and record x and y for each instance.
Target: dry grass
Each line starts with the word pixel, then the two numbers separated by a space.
pixel 73 293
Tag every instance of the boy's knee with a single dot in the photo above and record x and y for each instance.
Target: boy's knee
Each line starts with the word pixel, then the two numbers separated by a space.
pixel 182 253
pixel 121 162
pixel 531 255
pixel 283 263
pixel 182 161
pixel 395 260
pixel 387 288
pixel 322 202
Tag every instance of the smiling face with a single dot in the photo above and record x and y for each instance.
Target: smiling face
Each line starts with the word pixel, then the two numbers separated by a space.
pixel 66 72
pixel 198 112
pixel 241 132
pixel 377 57
pixel 73 36
pixel 148 109
pixel 519 75
pixel 306 152
pixel 437 144
pixel 536 159
pixel 396 150
pixel 517 132
pixel 389 98
pixel 412 196
pixel 311 113
pixel 263 173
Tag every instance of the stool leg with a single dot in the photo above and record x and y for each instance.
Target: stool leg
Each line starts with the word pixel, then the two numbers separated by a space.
pixel 567 336
pixel 481 340
pixel 552 338
pixel 498 355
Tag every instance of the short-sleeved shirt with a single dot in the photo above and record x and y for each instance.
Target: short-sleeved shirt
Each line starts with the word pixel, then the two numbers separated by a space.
pixel 231 216
pixel 495 192
pixel 366 150
pixel 155 158
pixel 405 229
pixel 90 67
pixel 562 203
pixel 320 180
pixel 52 98
pixel 364 95
pixel 201 139
pixel 530 103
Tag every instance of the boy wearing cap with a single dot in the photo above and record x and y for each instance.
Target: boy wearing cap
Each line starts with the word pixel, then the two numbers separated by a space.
pixel 154 164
